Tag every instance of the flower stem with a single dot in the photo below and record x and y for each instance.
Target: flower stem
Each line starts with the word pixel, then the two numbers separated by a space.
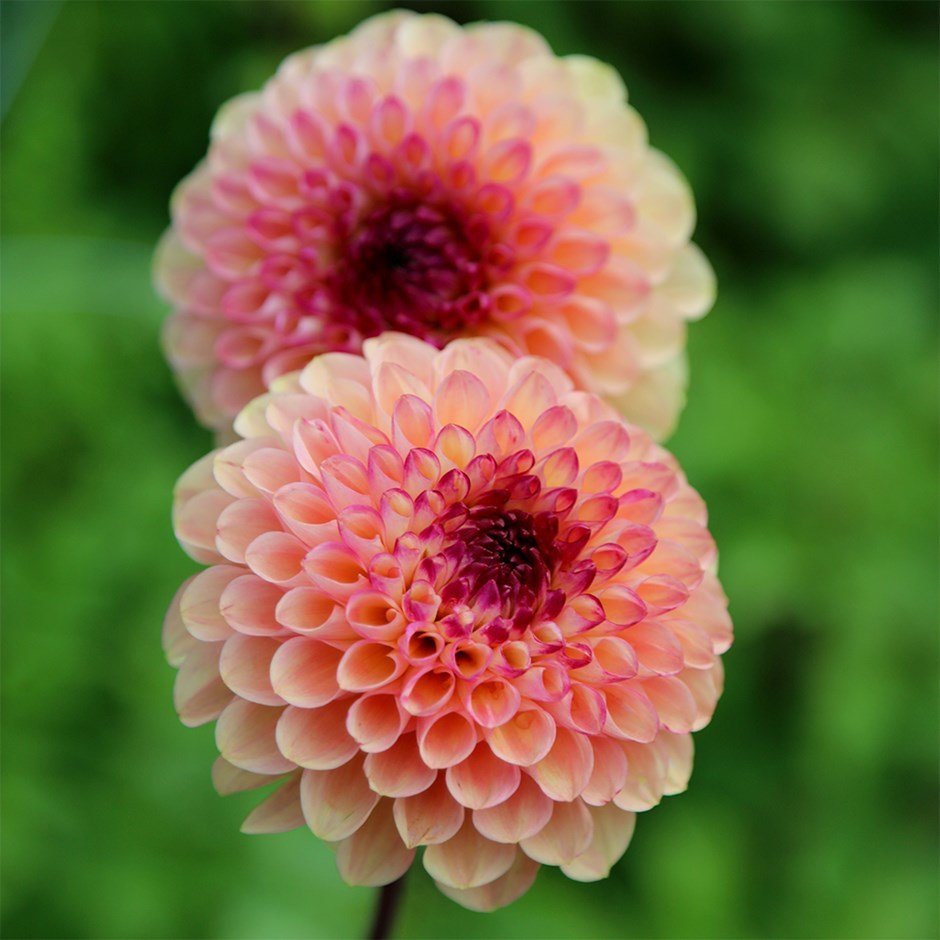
pixel 385 910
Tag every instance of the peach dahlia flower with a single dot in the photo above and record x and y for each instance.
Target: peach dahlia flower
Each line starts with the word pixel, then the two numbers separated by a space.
pixel 452 603
pixel 440 181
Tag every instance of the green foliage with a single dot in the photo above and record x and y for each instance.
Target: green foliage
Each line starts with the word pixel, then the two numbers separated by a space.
pixel 809 134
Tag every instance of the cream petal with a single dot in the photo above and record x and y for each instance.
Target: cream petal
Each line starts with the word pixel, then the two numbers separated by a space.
pixel 399 770
pixel 336 802
pixel 199 693
pixel 612 832
pixel 374 854
pixel 517 818
pixel 468 860
pixel 499 892
pixel 276 557
pixel 482 779
pixel 565 771
pixel 565 836
pixel 429 817
pixel 245 736
pixel 316 738
pixel 303 672
pixel 280 812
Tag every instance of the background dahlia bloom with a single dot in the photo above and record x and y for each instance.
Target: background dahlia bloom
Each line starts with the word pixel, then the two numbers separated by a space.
pixel 440 181
pixel 452 603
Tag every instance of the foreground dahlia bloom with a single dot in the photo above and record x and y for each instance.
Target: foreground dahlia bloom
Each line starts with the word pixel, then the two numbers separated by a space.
pixel 453 603
pixel 443 182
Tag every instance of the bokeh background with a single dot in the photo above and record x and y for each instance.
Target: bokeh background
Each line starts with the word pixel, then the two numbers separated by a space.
pixel 809 133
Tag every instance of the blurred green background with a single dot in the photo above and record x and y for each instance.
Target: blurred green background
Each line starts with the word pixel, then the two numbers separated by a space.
pixel 809 133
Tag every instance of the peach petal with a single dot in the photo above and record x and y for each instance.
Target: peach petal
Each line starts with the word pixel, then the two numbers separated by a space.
pixel 491 703
pixel 518 817
pixel 248 605
pixel 427 691
pixel 468 860
pixel 565 771
pixel 245 667
pixel 228 779
pixel 200 602
pixel 276 557
pixel 630 713
pixel 673 702
pixel 307 512
pixel 374 615
pixel 336 802
pixel 240 524
pixel 194 524
pixel 335 569
pixel 525 739
pixel 309 611
pixel 657 648
pixel 399 770
pixel 245 736
pixel 199 694
pixel 612 832
pixel 646 772
pixel 679 752
pixel 482 779
pixel 374 854
pixel 280 812
pixel 501 891
pixel 303 672
pixel 445 740
pixel 429 817
pixel 176 640
pixel 532 395
pixel 376 720
pixel 316 738
pixel 609 774
pixel 367 666
pixel 461 398
pixel 565 836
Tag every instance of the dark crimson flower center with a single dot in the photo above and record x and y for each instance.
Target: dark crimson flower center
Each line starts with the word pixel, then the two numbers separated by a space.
pixel 408 266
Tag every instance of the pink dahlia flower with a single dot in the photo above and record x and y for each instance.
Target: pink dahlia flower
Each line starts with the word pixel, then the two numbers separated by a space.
pixel 439 181
pixel 452 603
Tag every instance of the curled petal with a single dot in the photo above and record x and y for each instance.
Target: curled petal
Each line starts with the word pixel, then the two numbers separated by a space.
pixel 482 779
pixel 611 834
pixel 280 812
pixel 565 836
pixel 499 892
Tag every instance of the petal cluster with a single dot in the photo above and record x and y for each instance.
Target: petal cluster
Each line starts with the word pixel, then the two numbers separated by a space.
pixel 440 181
pixel 452 602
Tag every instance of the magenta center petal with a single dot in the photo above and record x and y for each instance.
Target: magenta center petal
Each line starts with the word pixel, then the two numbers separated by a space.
pixel 404 265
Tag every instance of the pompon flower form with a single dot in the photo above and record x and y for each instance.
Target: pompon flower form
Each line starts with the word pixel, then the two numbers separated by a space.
pixel 439 181
pixel 452 603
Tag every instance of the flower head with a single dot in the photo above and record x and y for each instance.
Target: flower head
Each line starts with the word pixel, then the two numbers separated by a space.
pixel 453 602
pixel 440 181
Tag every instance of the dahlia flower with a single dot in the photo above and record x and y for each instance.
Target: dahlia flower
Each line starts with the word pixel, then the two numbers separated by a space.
pixel 440 181
pixel 453 602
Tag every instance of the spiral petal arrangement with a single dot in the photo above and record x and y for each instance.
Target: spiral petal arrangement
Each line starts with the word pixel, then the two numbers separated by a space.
pixel 452 602
pixel 441 181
